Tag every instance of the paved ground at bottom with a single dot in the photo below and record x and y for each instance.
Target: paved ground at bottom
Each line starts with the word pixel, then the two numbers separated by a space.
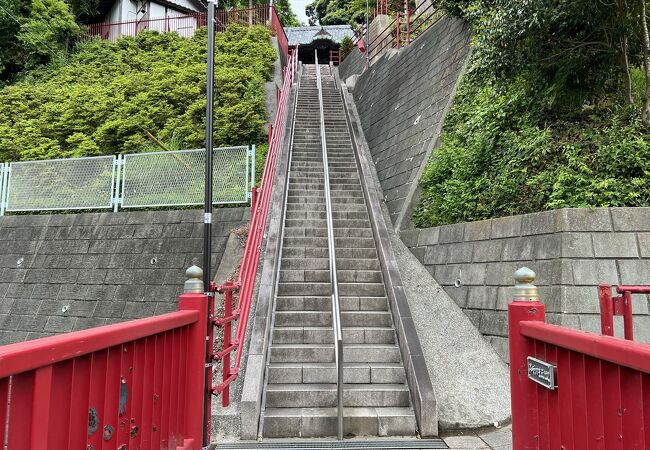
pixel 500 439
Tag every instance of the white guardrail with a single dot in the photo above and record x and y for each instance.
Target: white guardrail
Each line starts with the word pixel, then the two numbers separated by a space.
pixel 139 180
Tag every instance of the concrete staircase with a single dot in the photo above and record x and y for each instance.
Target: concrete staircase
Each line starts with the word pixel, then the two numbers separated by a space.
pixel 300 387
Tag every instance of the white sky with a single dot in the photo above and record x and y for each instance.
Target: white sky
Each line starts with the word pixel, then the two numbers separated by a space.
pixel 298 7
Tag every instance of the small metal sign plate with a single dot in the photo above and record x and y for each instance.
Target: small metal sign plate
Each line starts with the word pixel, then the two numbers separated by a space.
pixel 542 373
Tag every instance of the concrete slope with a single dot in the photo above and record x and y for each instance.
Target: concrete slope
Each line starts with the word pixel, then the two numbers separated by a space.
pixel 471 382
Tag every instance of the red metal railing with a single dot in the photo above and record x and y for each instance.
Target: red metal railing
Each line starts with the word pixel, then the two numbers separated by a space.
pixel 278 31
pixel 245 282
pixel 405 27
pixel 602 394
pixel 132 385
pixel 620 305
pixel 186 25
pixel 335 57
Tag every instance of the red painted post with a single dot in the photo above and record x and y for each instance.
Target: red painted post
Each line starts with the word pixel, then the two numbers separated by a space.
pixel 253 198
pixel 399 29
pixel 606 310
pixel 194 299
pixel 525 307
pixel 628 321
pixel 339 56
pixel 227 335
pixel 408 21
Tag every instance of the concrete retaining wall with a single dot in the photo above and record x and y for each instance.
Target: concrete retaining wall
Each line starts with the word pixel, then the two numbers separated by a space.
pixel 62 273
pixel 572 251
pixel 402 100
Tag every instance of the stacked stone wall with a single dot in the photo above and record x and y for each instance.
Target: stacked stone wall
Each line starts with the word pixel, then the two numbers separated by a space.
pixel 62 273
pixel 402 100
pixel 571 250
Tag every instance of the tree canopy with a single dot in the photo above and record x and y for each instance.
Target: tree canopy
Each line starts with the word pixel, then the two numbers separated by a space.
pixel 33 32
pixel 105 97
pixel 553 112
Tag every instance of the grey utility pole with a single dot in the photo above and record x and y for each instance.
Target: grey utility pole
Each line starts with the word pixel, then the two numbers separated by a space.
pixel 207 217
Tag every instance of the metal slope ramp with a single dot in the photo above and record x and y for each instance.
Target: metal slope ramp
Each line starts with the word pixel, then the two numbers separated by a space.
pixel 300 397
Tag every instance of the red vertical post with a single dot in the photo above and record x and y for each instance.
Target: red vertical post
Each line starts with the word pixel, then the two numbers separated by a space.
pixel 227 336
pixel 194 299
pixel 628 321
pixel 253 198
pixel 399 29
pixel 408 21
pixel 606 309
pixel 339 56
pixel 525 307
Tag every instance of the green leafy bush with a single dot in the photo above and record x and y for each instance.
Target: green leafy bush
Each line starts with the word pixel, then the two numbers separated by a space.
pixel 106 96
pixel 507 148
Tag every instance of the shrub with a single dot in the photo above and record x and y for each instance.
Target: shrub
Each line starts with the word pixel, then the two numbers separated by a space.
pixel 106 96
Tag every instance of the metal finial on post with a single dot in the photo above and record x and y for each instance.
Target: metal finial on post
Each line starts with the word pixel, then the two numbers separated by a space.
pixel 194 283
pixel 524 289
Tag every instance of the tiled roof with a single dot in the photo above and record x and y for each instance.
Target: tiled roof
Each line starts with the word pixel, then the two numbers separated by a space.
pixel 305 35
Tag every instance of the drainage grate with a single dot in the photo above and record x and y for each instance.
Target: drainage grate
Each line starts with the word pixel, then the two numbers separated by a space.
pixel 379 444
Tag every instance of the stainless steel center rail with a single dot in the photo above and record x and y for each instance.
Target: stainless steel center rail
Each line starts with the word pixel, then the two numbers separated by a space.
pixel 336 308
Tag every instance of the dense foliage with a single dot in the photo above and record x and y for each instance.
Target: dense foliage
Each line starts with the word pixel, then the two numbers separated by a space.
pixel 338 12
pixel 106 97
pixel 33 32
pixel 551 113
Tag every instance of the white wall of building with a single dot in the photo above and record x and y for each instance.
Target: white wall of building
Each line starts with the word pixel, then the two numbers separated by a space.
pixel 127 12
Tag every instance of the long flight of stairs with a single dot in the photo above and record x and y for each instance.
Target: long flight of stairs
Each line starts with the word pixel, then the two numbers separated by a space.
pixel 300 388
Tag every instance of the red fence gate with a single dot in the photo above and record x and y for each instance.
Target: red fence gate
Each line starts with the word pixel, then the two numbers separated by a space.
pixel 571 389
pixel 132 385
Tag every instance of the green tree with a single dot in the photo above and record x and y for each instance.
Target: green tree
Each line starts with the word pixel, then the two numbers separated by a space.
pixel 346 46
pixel 580 46
pixel 106 97
pixel 286 14
pixel 33 32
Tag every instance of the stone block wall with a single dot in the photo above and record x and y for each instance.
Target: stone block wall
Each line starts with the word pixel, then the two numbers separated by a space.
pixel 62 273
pixel 571 250
pixel 402 100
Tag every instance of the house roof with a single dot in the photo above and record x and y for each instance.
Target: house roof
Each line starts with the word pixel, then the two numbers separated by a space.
pixel 305 35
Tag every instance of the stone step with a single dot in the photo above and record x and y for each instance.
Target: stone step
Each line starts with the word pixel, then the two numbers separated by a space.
pixel 298 231
pixel 353 373
pixel 324 303
pixel 322 422
pixel 303 353
pixel 342 264
pixel 324 395
pixel 371 319
pixel 323 275
pixel 323 334
pixel 322 289
pixel 320 223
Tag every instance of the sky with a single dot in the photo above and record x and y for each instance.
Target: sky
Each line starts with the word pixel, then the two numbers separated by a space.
pixel 298 7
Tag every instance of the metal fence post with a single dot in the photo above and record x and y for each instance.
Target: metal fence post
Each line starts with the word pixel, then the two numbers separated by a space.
pixel 2 188
pixel 253 173
pixel 525 307
pixel 7 185
pixel 117 167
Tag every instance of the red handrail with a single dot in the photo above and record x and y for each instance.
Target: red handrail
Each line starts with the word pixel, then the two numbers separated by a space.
pixel 620 305
pixel 138 383
pixel 403 29
pixel 185 25
pixel 245 282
